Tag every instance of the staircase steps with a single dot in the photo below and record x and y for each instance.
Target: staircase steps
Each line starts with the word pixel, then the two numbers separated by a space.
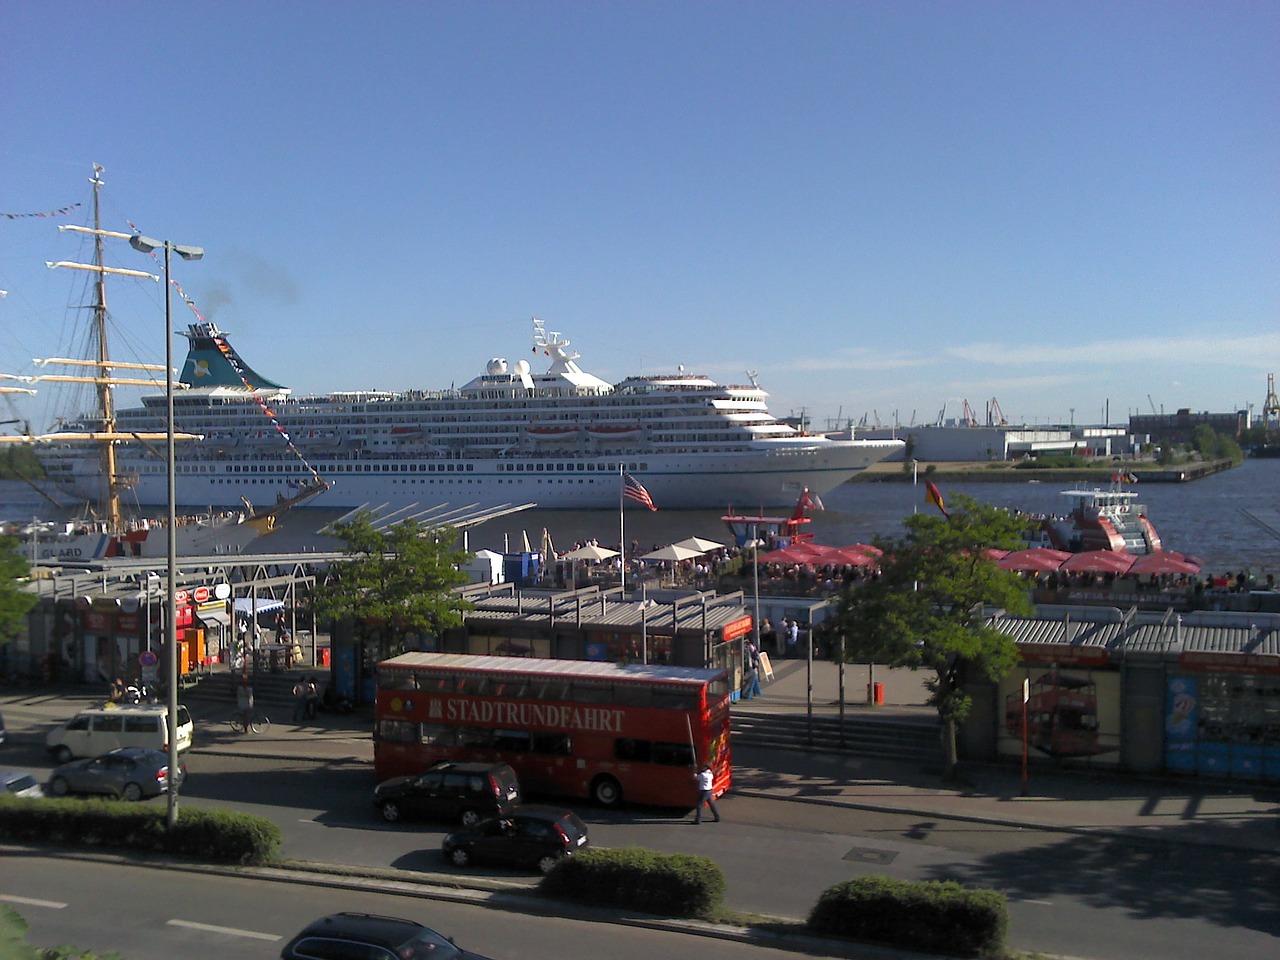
pixel 889 738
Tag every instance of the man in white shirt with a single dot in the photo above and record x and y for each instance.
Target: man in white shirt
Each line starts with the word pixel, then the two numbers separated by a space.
pixel 706 794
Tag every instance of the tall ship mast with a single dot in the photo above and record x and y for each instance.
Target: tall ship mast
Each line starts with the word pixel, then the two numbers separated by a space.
pixel 97 438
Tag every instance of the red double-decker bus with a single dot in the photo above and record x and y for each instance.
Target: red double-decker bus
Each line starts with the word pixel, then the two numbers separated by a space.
pixel 572 727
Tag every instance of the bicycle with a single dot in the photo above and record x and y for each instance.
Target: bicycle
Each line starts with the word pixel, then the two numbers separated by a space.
pixel 258 722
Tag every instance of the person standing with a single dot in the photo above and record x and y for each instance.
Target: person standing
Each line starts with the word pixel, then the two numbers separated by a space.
pixel 751 683
pixel 706 794
pixel 793 639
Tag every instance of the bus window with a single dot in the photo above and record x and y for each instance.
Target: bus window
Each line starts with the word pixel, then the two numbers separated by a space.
pixel 634 696
pixel 474 686
pixel 511 689
pixel 514 740
pixel 398 731
pixel 673 754
pixel 554 690
pixel 436 683
pixel 638 751
pixel 475 738
pixel 675 699
pixel 397 680
pixel 553 744
pixel 439 735
pixel 592 693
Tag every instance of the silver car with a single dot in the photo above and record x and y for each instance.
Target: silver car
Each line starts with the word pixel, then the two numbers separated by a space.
pixel 19 783
pixel 130 773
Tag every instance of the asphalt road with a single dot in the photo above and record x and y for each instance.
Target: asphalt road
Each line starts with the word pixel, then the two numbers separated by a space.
pixel 1091 896
pixel 149 914
pixel 1072 894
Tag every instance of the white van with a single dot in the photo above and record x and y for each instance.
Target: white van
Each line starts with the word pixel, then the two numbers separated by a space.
pixel 92 732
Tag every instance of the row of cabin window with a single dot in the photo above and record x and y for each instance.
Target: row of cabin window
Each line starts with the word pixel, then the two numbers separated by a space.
pixel 522 741
pixel 550 690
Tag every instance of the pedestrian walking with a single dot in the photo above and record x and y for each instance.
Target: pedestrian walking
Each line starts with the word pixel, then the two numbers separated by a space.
pixel 299 701
pixel 751 679
pixel 312 694
pixel 706 794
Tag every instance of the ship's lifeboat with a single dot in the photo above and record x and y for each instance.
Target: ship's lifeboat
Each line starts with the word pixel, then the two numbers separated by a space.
pixel 615 431
pixel 551 431
pixel 406 433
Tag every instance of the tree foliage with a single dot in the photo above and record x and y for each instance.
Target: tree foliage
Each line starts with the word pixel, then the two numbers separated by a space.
pixel 926 609
pixel 399 578
pixel 14 602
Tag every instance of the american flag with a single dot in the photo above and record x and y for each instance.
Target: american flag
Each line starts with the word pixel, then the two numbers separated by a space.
pixel 633 489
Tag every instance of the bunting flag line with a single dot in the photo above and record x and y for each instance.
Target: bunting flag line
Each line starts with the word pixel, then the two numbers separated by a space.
pixel 60 212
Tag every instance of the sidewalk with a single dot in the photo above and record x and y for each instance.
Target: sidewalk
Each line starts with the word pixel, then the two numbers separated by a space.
pixel 1170 810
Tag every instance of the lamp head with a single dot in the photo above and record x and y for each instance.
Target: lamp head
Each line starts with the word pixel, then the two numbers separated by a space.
pixel 144 244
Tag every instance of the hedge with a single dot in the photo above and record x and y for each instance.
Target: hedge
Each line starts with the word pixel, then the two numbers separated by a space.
pixel 933 916
pixel 670 885
pixel 220 836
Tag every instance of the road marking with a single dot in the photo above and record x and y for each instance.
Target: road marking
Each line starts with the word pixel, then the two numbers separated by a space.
pixel 229 931
pixel 28 902
pixel 1040 903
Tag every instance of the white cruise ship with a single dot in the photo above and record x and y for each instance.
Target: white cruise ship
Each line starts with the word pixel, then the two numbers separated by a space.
pixel 558 439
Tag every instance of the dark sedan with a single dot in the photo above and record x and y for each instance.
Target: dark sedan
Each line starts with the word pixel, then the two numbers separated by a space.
pixel 370 937
pixel 531 836
pixel 130 773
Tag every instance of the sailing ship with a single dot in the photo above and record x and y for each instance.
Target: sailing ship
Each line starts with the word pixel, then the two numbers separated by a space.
pixel 105 530
pixel 557 439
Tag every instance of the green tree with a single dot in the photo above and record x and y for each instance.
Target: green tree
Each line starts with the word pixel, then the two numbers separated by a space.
pixel 399 579
pixel 927 607
pixel 15 603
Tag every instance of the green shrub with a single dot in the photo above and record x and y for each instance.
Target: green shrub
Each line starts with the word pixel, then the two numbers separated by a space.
pixel 936 917
pixel 221 836
pixel 671 885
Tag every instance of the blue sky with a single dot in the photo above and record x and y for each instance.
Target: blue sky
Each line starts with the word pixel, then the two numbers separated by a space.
pixel 882 209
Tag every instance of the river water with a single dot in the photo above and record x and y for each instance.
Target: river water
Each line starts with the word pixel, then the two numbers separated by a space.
pixel 1205 517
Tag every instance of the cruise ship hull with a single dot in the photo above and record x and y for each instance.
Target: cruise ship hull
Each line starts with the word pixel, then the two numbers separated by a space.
pixel 767 478
pixel 559 440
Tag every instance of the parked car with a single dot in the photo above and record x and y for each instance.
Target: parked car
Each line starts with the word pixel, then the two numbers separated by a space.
pixel 369 937
pixel 3 735
pixel 531 836
pixel 465 792
pixel 19 783
pixel 129 773
pixel 95 730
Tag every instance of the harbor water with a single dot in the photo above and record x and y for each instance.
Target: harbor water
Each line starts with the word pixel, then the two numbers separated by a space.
pixel 1206 518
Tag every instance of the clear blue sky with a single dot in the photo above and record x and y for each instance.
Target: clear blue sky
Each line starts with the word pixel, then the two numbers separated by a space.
pixel 879 207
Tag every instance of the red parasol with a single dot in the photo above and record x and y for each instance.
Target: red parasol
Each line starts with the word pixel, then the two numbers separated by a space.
pixel 1099 561
pixel 1034 560
pixel 1166 561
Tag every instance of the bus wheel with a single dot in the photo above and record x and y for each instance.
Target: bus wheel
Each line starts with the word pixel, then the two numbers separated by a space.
pixel 606 791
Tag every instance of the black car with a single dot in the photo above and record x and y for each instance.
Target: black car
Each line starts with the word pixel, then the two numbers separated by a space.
pixel 364 936
pixel 130 773
pixel 465 792
pixel 531 836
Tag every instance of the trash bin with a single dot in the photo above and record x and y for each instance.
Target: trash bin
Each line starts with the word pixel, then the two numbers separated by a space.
pixel 324 656
pixel 875 694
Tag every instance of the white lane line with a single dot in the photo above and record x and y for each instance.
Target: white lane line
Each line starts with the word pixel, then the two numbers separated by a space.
pixel 1040 903
pixel 28 902
pixel 229 931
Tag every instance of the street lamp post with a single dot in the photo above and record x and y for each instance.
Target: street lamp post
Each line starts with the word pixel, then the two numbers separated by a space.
pixel 147 245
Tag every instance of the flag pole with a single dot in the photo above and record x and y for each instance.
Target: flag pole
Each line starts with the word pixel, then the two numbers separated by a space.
pixel 622 535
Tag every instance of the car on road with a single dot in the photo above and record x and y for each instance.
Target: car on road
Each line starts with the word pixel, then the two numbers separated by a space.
pixel 366 936
pixel 130 773
pixel 464 792
pixel 19 783
pixel 530 836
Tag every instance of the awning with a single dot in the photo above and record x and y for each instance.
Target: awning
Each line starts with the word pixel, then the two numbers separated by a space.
pixel 245 606
pixel 216 614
